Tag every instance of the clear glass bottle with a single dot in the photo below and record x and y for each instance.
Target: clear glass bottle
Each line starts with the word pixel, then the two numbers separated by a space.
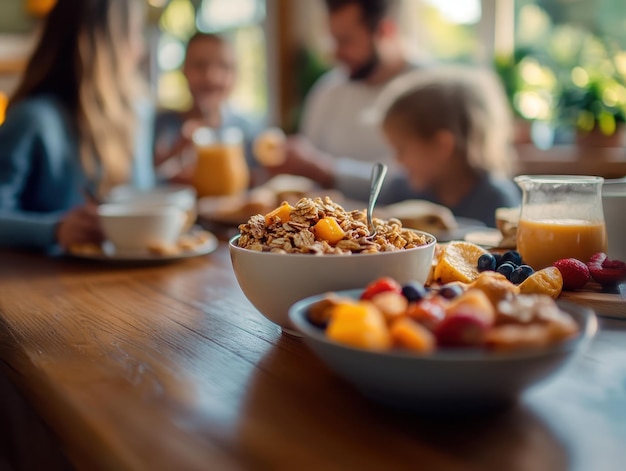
pixel 561 217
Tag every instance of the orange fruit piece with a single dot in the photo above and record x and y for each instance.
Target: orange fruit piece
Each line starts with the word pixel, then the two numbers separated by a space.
pixel 328 229
pixel 547 281
pixel 458 262
pixel 283 212
pixel 408 334
pixel 359 325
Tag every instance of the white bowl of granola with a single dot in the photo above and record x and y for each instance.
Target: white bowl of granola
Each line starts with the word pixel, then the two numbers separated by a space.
pixel 279 263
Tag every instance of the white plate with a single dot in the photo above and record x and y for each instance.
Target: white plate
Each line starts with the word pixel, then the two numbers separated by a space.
pixel 109 254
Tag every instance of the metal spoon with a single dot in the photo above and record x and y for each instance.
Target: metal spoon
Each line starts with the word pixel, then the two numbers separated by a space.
pixel 379 172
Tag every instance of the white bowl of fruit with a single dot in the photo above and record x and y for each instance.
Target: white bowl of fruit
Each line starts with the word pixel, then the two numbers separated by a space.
pixel 456 347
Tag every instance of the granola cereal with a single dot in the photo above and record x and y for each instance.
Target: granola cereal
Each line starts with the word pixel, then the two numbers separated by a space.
pixel 271 234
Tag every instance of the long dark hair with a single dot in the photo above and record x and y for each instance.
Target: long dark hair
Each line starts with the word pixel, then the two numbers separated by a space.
pixel 79 59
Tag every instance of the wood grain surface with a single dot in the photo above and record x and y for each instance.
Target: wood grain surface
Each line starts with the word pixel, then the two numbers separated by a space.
pixel 170 368
pixel 610 303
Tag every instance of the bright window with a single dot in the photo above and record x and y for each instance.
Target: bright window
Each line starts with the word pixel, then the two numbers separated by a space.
pixel 441 29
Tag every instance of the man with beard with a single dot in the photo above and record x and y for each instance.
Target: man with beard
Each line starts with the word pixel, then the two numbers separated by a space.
pixel 339 141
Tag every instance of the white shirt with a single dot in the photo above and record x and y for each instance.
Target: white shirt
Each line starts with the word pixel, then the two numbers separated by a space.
pixel 337 120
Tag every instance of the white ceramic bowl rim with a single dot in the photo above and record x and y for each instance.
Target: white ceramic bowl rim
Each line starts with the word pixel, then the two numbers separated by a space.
pixel 234 246
pixel 589 327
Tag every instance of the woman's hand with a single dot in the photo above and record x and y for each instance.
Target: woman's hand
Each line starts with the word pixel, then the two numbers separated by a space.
pixel 80 226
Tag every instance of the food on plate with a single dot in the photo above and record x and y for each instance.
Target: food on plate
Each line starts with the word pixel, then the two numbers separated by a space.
pixel 422 215
pixel 85 249
pixel 498 319
pixel 507 220
pixel 237 209
pixel 321 226
pixel 360 325
pixel 530 321
pixel 495 286
pixel 458 262
pixel 605 271
pixel 546 281
pixel 185 243
pixel 288 187
pixel 268 147
pixel 574 272
pixel 164 250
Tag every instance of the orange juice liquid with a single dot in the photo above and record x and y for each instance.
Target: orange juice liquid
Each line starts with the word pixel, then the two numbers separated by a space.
pixel 541 243
pixel 220 170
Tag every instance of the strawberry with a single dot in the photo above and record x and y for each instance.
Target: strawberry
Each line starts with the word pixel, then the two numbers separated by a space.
pixel 605 271
pixel 381 285
pixel 574 272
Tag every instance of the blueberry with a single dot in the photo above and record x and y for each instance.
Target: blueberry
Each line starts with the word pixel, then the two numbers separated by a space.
pixel 521 273
pixel 506 269
pixel 512 256
pixel 498 258
pixel 486 262
pixel 414 291
pixel 450 291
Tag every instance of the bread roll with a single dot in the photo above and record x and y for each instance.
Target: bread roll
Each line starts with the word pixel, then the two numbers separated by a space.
pixel 422 215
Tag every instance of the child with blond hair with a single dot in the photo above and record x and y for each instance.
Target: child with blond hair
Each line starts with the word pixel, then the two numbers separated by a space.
pixel 450 129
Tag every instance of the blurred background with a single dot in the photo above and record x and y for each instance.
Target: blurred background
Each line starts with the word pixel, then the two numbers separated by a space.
pixel 562 62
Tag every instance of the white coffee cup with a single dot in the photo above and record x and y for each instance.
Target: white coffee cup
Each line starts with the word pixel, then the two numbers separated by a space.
pixel 614 204
pixel 133 228
pixel 183 196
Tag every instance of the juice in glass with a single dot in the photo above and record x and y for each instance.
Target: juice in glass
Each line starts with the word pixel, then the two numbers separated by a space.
pixel 561 217
pixel 221 167
pixel 543 242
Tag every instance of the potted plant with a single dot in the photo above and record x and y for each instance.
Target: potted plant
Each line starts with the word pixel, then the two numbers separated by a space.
pixel 596 113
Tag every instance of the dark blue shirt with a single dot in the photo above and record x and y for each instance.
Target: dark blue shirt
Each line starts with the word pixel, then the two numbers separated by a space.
pixel 480 203
pixel 41 176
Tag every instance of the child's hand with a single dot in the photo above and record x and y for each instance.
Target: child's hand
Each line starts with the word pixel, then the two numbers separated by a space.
pixel 80 226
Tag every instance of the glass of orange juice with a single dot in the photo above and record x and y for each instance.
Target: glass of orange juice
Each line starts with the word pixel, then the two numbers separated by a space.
pixel 561 217
pixel 221 167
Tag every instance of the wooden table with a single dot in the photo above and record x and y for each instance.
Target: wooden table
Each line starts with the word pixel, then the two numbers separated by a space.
pixel 170 368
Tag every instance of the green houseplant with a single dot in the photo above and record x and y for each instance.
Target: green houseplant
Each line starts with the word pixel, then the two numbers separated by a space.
pixel 596 112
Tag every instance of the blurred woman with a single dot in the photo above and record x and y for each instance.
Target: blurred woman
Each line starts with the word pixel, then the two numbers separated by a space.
pixel 210 69
pixel 72 126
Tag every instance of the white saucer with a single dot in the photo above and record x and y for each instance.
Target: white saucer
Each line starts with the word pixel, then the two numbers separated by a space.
pixel 109 254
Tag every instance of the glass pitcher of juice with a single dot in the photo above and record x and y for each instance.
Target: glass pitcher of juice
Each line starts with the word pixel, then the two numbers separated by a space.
pixel 221 167
pixel 561 217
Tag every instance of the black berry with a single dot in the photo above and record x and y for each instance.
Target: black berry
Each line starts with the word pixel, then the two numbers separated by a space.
pixel 486 262
pixel 450 291
pixel 414 291
pixel 512 256
pixel 506 269
pixel 498 257
pixel 521 273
